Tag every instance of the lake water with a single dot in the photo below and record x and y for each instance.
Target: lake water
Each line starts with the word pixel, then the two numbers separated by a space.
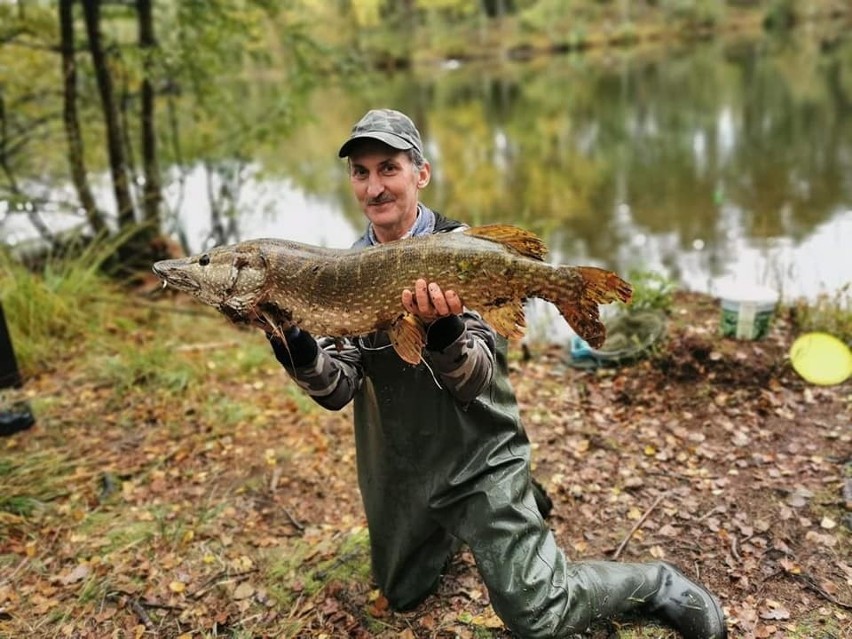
pixel 722 159
pixel 702 162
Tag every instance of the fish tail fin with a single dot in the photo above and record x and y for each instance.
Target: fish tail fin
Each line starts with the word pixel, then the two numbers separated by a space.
pixel 590 286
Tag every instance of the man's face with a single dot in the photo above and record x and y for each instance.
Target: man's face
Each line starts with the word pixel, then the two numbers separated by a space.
pixel 385 183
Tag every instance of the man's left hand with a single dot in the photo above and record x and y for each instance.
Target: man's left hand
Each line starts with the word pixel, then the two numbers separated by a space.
pixel 429 302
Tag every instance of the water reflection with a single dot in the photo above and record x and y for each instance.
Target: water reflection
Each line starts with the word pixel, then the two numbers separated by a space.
pixel 703 162
pixel 700 162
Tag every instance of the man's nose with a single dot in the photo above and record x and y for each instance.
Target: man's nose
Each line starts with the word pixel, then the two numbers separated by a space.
pixel 375 185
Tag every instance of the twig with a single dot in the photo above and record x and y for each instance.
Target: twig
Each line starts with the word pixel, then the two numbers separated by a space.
pixel 133 599
pixel 273 481
pixel 712 511
pixel 206 346
pixel 20 565
pixel 734 552
pixel 811 583
pixel 636 526
pixel 140 612
pixel 293 520
pixel 220 578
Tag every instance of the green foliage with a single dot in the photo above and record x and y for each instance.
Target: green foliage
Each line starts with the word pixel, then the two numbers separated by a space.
pixel 781 14
pixel 151 365
pixel 829 313
pixel 350 560
pixel 695 13
pixel 651 291
pixel 28 484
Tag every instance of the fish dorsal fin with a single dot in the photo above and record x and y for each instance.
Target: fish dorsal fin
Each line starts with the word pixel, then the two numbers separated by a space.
pixel 514 237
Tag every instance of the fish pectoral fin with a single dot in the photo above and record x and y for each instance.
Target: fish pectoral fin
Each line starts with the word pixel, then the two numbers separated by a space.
pixel 514 237
pixel 507 319
pixel 408 336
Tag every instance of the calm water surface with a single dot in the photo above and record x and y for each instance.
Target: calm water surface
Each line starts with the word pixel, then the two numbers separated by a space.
pixel 723 159
pixel 702 162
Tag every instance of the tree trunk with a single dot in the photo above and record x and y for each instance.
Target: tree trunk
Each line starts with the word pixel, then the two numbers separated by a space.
pixel 70 116
pixel 152 195
pixel 117 159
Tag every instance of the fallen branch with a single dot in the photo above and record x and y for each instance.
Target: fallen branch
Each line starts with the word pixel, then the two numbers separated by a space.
pixel 220 578
pixel 17 569
pixel 636 526
pixel 206 346
pixel 141 614
pixel 293 520
pixel 811 583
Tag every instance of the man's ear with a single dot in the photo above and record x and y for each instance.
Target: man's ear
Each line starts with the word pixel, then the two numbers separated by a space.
pixel 424 175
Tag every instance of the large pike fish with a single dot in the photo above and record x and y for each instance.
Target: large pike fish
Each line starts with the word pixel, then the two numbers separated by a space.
pixel 347 292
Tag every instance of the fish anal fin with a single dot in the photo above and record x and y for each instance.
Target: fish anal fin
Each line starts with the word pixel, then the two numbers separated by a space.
pixel 585 319
pixel 408 336
pixel 507 319
pixel 519 240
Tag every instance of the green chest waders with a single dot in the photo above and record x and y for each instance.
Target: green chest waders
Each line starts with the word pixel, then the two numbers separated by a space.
pixel 434 473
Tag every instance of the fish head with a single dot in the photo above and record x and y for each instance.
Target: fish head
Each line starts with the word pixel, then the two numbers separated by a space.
pixel 229 278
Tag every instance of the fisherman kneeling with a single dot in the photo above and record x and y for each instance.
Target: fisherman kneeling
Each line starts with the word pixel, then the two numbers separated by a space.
pixel 443 465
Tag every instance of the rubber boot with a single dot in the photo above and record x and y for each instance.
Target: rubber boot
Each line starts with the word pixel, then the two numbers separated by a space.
pixel 656 592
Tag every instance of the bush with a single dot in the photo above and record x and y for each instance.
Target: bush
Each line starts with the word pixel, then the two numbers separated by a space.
pixel 651 291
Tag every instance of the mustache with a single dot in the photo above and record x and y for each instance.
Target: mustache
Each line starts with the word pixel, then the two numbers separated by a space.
pixel 382 199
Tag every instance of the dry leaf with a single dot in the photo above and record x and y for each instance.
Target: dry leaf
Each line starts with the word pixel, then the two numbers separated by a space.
pixel 243 591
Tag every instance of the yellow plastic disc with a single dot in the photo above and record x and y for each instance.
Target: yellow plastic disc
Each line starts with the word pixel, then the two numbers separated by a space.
pixel 821 359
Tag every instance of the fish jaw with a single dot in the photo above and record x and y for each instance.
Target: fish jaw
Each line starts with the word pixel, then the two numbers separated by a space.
pixel 177 274
pixel 231 279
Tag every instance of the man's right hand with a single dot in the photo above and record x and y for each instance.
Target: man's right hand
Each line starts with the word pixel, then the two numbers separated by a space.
pixel 269 326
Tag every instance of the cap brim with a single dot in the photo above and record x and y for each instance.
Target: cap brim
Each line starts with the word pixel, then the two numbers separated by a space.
pixel 390 139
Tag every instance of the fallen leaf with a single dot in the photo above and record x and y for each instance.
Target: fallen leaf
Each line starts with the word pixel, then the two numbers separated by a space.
pixel 79 573
pixel 243 591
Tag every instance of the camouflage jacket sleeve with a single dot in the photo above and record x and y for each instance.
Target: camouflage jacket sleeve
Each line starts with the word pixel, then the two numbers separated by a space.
pixel 466 364
pixel 334 375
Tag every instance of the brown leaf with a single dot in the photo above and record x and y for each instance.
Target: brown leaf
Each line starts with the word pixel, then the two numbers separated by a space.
pixel 379 608
pixel 243 591
pixel 80 572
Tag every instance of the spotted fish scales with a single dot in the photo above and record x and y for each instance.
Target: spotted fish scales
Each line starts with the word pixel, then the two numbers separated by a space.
pixel 344 293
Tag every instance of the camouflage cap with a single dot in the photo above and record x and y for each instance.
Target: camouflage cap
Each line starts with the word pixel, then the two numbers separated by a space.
pixel 391 127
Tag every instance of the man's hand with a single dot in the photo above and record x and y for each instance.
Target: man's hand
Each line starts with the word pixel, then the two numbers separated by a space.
pixel 267 324
pixel 429 302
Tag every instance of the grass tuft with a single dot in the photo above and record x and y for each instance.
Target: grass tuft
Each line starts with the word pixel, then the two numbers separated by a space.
pixel 829 313
pixel 55 309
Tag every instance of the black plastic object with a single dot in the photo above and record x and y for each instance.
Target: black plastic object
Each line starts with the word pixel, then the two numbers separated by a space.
pixel 18 416
pixel 10 377
pixel 15 418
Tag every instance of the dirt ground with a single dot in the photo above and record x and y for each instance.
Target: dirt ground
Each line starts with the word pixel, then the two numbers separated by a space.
pixel 162 508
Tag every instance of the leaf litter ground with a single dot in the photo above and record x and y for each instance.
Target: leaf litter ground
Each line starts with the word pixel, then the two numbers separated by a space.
pixel 181 486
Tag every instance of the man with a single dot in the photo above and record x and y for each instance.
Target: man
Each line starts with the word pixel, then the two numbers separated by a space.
pixel 442 456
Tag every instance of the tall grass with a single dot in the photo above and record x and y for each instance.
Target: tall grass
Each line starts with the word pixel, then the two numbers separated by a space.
pixel 52 311
pixel 829 313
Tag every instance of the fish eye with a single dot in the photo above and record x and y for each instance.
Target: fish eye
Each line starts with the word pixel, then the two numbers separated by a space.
pixel 204 260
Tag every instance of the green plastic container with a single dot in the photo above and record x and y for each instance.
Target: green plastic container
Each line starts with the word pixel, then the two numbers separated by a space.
pixel 747 311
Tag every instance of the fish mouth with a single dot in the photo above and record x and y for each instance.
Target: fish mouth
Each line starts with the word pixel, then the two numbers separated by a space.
pixel 174 277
